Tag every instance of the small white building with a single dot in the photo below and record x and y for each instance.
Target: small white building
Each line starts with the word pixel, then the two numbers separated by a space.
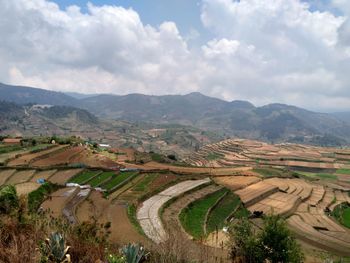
pixel 102 145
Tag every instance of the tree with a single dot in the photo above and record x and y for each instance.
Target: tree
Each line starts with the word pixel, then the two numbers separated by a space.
pixel 273 243
pixel 243 242
pixel 8 199
pixel 278 243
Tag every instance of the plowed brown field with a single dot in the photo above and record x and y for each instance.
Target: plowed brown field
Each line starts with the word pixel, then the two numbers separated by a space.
pixel 61 177
pixel 60 158
pixel 27 158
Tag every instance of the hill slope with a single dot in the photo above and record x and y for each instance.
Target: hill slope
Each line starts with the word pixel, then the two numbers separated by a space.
pixel 273 122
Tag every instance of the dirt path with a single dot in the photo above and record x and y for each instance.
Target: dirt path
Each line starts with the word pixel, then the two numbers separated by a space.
pixel 69 208
pixel 148 214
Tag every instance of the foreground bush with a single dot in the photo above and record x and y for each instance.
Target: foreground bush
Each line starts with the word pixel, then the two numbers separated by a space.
pixel 8 199
pixel 274 243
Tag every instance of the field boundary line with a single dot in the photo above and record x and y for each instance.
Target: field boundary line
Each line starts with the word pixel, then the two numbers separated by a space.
pixel 211 209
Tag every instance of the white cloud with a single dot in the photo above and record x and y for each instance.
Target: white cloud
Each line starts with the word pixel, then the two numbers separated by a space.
pixel 262 50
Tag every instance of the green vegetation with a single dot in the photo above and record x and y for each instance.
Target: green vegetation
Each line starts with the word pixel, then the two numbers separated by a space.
pixel 343 171
pixel 319 175
pixel 342 214
pixel 118 180
pixel 222 211
pixel 133 218
pixel 10 148
pixel 274 243
pixel 83 177
pixel 8 199
pixel 214 156
pixel 100 178
pixel 144 183
pixel 193 217
pixel 37 197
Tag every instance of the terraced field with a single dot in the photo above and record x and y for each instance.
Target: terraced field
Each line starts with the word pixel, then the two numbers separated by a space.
pixel 193 217
pixel 60 158
pixel 148 214
pixel 118 181
pixel 27 159
pixel 237 152
pixel 4 157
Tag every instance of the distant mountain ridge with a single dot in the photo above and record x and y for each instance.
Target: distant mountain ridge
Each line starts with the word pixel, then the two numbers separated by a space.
pixel 273 122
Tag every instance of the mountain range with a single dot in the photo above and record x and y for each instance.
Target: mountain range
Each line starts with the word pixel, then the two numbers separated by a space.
pixel 273 122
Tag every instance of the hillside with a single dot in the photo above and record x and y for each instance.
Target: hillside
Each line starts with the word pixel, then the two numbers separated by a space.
pixel 273 122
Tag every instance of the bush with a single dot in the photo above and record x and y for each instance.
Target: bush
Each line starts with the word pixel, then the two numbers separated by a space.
pixel 8 199
pixel 274 243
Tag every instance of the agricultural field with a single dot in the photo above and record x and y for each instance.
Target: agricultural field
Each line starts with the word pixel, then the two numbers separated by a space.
pixel 60 158
pixel 17 152
pixel 26 159
pixel 308 186
pixel 118 180
pixel 193 217
pixel 83 177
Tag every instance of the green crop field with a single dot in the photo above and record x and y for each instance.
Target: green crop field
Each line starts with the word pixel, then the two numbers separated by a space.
pixel 342 214
pixel 142 185
pixel 343 171
pixel 193 217
pixel 217 217
pixel 101 178
pixel 117 179
pixel 83 177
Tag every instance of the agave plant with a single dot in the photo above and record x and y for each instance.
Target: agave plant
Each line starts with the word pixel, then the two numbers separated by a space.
pixel 56 248
pixel 133 253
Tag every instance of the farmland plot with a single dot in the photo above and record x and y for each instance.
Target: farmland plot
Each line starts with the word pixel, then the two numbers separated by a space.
pixel 236 182
pixel 118 180
pixel 57 200
pixel 26 159
pixel 21 177
pixel 43 175
pixel 5 175
pixel 84 177
pixel 148 214
pixel 256 192
pixel 26 188
pixel 62 176
pixel 60 158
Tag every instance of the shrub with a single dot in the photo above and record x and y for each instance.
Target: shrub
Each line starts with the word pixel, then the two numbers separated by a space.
pixel 8 199
pixel 274 243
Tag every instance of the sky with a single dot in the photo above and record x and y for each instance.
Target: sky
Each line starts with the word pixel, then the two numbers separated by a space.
pixel 264 51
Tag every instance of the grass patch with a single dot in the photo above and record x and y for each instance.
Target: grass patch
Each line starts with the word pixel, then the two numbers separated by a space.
pixel 343 171
pixel 37 197
pixel 83 177
pixel 193 216
pixel 133 218
pixel 117 180
pixel 11 148
pixel 214 156
pixel 144 183
pixel 100 178
pixel 342 214
pixel 225 208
